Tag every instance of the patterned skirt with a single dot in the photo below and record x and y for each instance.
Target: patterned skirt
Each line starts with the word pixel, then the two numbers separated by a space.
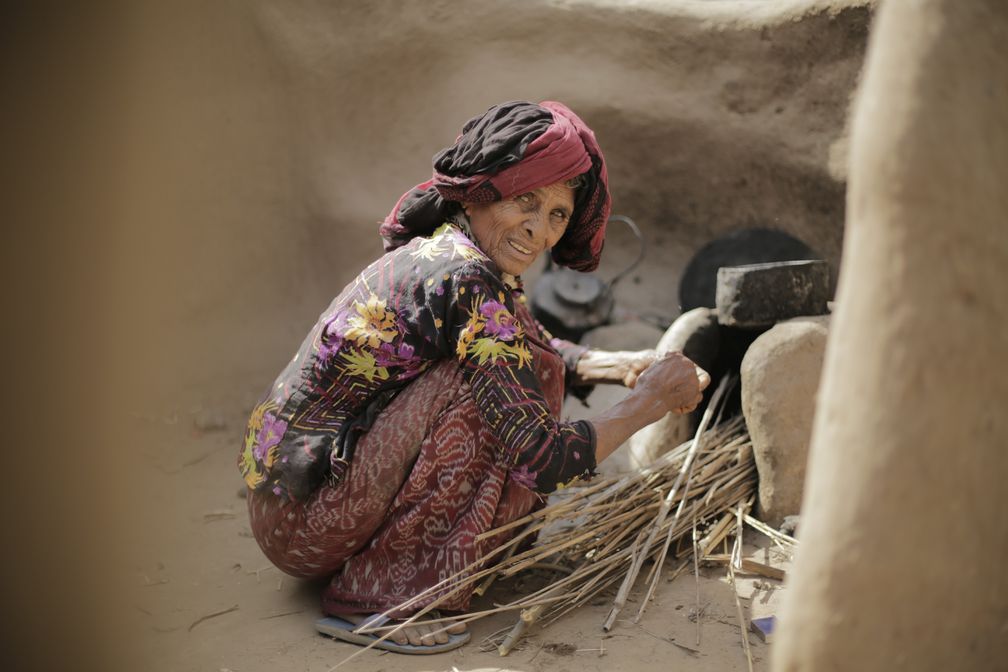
pixel 425 481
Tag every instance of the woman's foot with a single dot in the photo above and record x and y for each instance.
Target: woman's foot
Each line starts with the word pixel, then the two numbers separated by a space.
pixel 418 633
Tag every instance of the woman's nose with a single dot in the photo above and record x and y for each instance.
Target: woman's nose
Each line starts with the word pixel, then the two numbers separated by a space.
pixel 535 224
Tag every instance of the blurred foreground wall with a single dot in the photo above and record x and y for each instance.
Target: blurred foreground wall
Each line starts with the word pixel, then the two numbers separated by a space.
pixel 903 523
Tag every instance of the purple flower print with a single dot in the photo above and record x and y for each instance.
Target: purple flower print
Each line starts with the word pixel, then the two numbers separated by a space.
pixel 272 431
pixel 390 355
pixel 522 476
pixel 330 345
pixel 385 355
pixel 500 323
pixel 326 352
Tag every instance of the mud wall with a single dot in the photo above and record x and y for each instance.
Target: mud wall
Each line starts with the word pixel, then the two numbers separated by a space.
pixel 265 140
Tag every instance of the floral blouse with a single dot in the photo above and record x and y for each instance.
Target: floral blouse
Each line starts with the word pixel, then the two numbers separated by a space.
pixel 433 298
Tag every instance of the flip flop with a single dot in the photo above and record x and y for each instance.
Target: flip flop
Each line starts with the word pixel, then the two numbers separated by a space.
pixel 343 630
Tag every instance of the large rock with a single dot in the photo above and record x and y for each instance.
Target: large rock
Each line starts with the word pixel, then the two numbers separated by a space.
pixel 756 296
pixel 780 376
pixel 697 335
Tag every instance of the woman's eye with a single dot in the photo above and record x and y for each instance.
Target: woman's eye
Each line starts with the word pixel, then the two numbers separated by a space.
pixel 524 199
pixel 560 215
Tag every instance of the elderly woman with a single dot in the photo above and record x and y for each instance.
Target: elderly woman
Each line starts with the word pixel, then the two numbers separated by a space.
pixel 423 408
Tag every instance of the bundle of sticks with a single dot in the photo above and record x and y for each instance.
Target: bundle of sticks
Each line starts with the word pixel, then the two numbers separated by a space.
pixel 600 535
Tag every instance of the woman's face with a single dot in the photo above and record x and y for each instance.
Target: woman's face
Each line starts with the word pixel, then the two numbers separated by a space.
pixel 515 231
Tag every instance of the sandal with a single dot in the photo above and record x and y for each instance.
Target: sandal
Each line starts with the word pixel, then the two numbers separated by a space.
pixel 343 630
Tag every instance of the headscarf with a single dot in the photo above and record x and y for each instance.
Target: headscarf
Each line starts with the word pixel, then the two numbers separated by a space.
pixel 511 149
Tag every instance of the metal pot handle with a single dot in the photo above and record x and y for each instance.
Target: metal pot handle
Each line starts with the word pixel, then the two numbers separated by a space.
pixel 640 254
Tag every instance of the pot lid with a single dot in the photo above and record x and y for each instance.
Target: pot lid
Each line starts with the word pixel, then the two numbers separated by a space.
pixel 578 289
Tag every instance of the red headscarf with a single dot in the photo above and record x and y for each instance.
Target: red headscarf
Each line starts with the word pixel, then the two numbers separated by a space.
pixel 511 149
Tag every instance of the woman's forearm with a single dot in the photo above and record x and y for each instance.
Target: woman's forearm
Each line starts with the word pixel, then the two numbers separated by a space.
pixel 604 366
pixel 622 420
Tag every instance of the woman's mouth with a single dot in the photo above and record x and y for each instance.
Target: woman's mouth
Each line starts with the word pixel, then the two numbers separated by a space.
pixel 519 248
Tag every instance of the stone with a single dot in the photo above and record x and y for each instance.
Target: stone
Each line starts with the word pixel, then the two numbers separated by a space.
pixel 760 295
pixel 697 335
pixel 780 377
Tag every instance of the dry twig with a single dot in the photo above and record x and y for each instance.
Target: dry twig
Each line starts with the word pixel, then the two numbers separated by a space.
pixel 528 617
pixel 736 559
pixel 696 574
pixel 209 616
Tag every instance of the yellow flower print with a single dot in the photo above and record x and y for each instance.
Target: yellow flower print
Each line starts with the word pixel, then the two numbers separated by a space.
pixel 247 464
pixel 364 364
pixel 428 249
pixel 373 324
pixel 443 230
pixel 466 250
pixel 256 421
pixel 250 469
pixel 473 326
pixel 573 481
pixel 435 246
pixel 503 339
pixel 484 349
pixel 446 241
pixel 271 455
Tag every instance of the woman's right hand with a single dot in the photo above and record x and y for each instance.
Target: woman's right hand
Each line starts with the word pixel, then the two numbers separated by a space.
pixel 673 382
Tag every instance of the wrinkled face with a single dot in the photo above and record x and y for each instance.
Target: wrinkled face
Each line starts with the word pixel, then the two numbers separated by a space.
pixel 515 231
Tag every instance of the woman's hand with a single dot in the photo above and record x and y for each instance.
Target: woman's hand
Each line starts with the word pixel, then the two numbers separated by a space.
pixel 619 366
pixel 635 363
pixel 673 381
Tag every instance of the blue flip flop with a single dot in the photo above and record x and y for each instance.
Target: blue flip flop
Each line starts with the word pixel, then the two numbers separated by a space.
pixel 343 630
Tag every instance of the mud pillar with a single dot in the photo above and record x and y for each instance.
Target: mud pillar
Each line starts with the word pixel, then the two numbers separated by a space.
pixel 904 525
